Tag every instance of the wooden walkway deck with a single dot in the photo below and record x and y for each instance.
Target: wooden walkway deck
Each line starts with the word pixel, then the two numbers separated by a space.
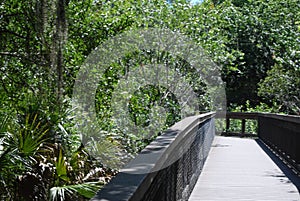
pixel 243 169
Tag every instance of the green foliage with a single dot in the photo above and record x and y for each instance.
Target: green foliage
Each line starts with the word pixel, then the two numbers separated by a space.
pixel 144 99
pixel 279 86
pixel 61 168
pixel 256 43
pixel 29 138
pixel 31 160
pixel 22 146
pixel 87 190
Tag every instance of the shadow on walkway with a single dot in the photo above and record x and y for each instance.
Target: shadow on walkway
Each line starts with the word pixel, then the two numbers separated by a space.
pixel 293 177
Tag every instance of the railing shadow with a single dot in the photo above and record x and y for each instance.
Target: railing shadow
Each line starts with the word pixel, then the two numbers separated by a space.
pixel 279 132
pixel 287 171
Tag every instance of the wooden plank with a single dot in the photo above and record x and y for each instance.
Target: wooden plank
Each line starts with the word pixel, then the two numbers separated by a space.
pixel 239 169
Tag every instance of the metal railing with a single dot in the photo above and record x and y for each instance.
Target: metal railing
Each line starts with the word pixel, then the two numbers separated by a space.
pixel 168 168
pixel 282 134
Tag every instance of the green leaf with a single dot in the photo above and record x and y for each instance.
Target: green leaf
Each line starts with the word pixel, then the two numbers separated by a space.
pixel 61 167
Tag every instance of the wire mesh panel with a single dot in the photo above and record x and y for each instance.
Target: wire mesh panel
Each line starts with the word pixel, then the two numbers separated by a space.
pixel 172 168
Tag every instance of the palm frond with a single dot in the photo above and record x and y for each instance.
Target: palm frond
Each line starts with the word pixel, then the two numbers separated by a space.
pixel 86 190
pixel 3 125
pixel 31 137
pixel 61 167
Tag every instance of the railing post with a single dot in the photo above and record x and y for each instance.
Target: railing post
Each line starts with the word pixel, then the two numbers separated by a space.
pixel 259 126
pixel 227 124
pixel 243 126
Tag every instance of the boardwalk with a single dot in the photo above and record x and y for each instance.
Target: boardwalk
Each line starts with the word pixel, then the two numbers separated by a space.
pixel 240 169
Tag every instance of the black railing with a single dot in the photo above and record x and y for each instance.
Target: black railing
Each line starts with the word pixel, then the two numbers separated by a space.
pixel 281 133
pixel 168 168
pixel 243 117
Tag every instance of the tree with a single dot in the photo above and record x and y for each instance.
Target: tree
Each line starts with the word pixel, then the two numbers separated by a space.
pixel 44 43
pixel 253 38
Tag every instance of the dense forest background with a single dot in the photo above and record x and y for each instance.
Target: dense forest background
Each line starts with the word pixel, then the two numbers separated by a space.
pixel 43 43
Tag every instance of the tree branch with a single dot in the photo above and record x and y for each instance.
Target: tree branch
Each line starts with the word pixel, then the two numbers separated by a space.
pixel 11 32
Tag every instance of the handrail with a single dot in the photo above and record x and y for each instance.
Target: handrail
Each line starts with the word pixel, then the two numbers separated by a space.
pixel 168 168
pixel 243 116
pixel 282 134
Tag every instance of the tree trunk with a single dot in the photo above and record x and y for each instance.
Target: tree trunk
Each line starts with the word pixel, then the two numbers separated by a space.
pixel 59 41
